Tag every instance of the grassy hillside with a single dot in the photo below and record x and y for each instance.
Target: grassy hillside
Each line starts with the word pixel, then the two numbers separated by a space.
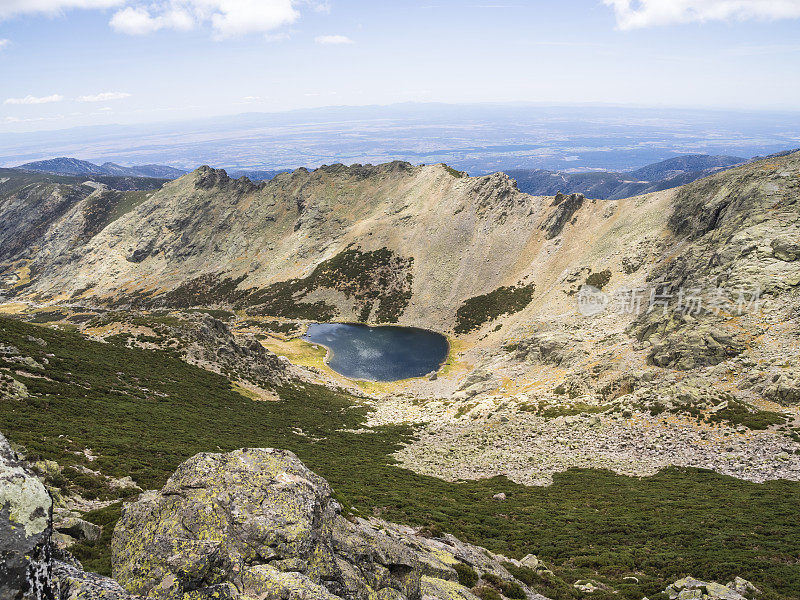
pixel 143 412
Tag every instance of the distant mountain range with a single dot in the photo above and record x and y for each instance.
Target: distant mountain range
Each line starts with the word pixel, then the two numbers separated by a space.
pixel 81 168
pixel 614 185
pixel 73 166
pixel 611 185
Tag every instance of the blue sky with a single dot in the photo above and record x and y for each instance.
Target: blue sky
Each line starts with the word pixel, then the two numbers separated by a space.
pixel 66 63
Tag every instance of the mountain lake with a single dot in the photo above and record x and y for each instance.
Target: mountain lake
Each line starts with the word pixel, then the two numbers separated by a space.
pixel 386 353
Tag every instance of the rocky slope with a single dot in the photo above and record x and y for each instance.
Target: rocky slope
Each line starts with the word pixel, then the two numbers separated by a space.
pixel 257 524
pixel 207 238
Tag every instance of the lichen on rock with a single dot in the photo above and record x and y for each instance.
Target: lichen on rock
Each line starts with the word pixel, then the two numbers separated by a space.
pixel 25 509
pixel 256 523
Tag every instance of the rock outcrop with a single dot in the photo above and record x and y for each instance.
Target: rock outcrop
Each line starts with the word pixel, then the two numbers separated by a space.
pixel 784 387
pixel 210 343
pixel 550 347
pixel 31 566
pixel 566 207
pixel 690 588
pixel 256 523
pixel 25 528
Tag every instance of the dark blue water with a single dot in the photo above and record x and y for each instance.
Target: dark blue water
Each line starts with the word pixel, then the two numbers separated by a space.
pixel 380 353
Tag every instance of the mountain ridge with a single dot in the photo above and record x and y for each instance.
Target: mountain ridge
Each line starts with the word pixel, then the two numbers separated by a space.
pixel 73 166
pixel 616 185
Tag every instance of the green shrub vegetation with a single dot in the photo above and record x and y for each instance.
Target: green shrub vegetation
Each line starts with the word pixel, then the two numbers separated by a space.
pixel 569 410
pixel 599 279
pixel 95 555
pixel 143 412
pixel 503 301
pixel 486 592
pixel 378 281
pixel 466 575
pixel 453 172
pixel 512 589
pixel 737 413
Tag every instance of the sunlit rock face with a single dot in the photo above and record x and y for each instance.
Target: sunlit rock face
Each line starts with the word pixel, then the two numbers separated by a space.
pixel 256 523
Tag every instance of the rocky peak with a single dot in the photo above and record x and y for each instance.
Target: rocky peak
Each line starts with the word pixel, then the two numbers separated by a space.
pixel 207 178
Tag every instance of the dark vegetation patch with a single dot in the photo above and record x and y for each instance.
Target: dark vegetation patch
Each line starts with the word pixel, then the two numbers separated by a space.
pixel 95 555
pixel 503 301
pixel 379 281
pixel 545 583
pixel 738 413
pixel 285 328
pixel 551 411
pixel 143 412
pixel 47 316
pixel 509 589
pixel 106 207
pixel 733 413
pixel 466 575
pixel 453 172
pixel 599 279
pixel 206 290
pixel 487 592
pixel 217 313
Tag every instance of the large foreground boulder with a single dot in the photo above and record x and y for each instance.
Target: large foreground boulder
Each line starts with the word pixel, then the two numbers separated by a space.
pixel 257 524
pixel 25 528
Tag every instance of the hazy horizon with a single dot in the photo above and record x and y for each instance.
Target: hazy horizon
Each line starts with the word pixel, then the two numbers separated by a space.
pixel 127 62
pixel 478 138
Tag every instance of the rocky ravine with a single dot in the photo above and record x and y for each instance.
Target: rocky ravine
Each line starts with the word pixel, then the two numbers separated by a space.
pixel 257 524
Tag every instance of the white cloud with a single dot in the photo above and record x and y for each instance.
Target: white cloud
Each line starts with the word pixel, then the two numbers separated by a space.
pixel 4 44
pixel 635 14
pixel 35 99
pixel 104 97
pixel 228 18
pixel 10 8
pixel 333 39
pixel 139 21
